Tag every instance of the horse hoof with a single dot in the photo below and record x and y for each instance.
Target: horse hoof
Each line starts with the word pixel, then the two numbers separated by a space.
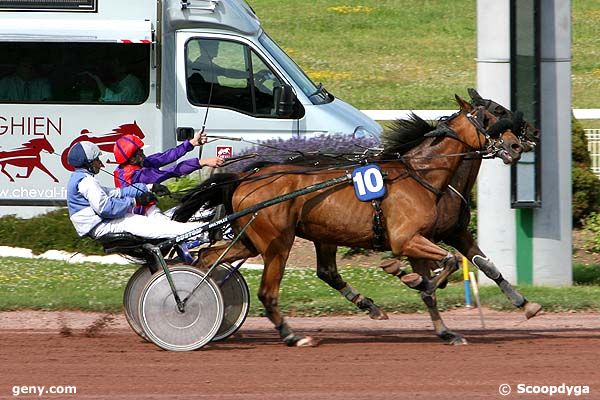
pixel 458 341
pixel 532 310
pixel 412 280
pixel 378 314
pixel 300 341
pixel 307 342
pixel 453 338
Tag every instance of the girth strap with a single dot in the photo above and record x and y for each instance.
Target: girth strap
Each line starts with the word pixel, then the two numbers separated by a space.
pixel 378 231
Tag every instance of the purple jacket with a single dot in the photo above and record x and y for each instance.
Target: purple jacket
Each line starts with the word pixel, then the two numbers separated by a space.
pixel 151 172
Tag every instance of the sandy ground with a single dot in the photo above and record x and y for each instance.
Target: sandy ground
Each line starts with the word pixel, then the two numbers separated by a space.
pixel 357 358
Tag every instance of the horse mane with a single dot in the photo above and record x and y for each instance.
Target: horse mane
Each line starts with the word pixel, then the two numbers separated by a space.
pixel 218 189
pixel 32 144
pixel 130 129
pixel 404 134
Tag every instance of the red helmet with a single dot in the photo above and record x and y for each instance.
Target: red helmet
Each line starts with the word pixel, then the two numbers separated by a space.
pixel 125 148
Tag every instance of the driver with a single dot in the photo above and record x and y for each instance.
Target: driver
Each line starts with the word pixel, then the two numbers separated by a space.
pixel 135 167
pixel 96 211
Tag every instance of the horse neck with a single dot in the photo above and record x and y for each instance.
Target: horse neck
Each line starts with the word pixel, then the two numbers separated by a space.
pixel 437 160
pixel 466 175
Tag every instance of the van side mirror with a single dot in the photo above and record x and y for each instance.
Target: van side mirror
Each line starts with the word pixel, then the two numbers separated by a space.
pixel 185 133
pixel 284 100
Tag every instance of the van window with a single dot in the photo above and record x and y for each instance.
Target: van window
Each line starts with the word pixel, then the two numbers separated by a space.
pixel 85 73
pixel 229 74
pixel 315 93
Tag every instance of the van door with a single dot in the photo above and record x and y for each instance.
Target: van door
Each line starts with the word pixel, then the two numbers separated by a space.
pixel 225 80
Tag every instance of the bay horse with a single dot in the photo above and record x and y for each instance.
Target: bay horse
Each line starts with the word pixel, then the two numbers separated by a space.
pixel 454 213
pixel 333 216
pixel 28 156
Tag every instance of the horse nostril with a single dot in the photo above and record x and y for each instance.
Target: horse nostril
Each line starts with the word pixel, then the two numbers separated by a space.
pixel 517 148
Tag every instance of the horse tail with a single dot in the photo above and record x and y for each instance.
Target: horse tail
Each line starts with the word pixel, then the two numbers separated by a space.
pixel 216 190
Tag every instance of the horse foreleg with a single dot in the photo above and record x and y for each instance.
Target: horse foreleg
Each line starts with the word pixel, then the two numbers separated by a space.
pixel 463 241
pixel 5 172
pixel 275 256
pixel 328 273
pixel 40 166
pixel 430 300
pixel 420 247
pixel 43 168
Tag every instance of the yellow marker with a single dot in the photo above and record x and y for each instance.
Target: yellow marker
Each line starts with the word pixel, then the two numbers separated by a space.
pixel 465 265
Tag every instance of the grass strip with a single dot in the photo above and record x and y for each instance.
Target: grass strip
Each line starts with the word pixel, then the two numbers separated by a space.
pixel 55 285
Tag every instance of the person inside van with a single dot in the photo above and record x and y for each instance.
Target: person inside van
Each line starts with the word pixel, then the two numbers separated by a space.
pixel 207 67
pixel 205 78
pixel 24 84
pixel 135 168
pixel 96 211
pixel 124 88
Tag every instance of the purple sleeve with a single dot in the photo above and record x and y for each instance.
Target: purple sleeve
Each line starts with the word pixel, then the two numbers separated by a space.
pixel 157 160
pixel 155 175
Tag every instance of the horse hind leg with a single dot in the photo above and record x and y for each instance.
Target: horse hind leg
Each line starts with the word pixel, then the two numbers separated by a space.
pixel 275 256
pixel 327 272
pixel 5 172
pixel 208 256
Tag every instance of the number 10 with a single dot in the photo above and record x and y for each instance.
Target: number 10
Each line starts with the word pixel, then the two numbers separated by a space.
pixel 371 182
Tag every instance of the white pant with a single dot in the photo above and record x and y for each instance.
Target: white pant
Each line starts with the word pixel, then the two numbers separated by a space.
pixel 154 226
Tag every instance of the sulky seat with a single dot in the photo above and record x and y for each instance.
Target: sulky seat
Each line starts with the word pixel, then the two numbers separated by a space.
pixel 128 244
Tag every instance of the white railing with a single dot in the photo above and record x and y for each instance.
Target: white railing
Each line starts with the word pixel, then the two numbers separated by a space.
pixel 593 139
pixel 390 115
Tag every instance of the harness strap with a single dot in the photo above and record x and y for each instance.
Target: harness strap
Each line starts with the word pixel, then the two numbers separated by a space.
pixel 413 174
pixel 458 194
pixel 378 231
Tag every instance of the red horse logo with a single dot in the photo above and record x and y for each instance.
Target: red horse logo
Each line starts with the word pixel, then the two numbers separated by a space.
pixel 105 141
pixel 27 156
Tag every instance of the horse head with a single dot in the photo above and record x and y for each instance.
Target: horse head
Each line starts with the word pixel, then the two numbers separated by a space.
pixel 40 144
pixel 130 129
pixel 525 131
pixel 494 135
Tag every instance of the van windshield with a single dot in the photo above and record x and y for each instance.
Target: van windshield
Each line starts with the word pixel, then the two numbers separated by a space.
pixel 316 94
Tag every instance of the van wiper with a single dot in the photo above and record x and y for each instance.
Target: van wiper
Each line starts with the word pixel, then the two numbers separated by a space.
pixel 320 90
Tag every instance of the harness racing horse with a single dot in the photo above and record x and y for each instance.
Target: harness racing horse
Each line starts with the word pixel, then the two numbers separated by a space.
pixel 28 156
pixel 455 207
pixel 451 227
pixel 334 216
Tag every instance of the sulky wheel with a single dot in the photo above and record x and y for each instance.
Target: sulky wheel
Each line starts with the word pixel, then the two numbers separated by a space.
pixel 131 298
pixel 236 298
pixel 171 329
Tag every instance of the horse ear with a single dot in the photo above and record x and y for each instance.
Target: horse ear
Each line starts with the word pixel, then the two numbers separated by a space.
pixel 463 104
pixel 473 94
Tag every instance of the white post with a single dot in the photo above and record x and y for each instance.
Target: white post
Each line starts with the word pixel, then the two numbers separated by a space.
pixel 495 218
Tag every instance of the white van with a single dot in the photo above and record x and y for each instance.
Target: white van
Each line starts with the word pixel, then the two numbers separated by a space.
pixel 94 70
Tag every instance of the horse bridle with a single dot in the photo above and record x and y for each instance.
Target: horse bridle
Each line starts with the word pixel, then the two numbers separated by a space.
pixel 489 148
pixel 522 131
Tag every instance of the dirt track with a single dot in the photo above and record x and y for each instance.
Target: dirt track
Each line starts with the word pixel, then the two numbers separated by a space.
pixel 357 359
